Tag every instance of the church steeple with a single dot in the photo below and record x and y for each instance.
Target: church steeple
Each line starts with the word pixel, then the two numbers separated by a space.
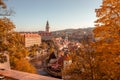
pixel 47 27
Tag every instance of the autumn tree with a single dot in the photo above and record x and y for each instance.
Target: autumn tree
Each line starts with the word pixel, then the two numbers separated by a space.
pixel 83 65
pixel 107 35
pixel 33 50
pixel 44 45
pixel 6 28
pixel 12 43
pixel 4 10
pixel 21 65
pixel 100 60
pixel 2 4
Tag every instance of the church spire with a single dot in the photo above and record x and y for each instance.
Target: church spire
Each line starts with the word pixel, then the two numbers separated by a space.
pixel 47 27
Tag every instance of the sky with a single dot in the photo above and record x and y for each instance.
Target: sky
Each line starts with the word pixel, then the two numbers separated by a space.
pixel 31 15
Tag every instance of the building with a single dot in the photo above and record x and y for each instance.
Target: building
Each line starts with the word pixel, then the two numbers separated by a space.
pixel 31 39
pixel 47 27
pixel 46 35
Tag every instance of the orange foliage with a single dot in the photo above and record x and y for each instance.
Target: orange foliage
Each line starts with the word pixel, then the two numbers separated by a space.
pixel 23 65
pixel 108 45
pixel 12 43
pixel 101 61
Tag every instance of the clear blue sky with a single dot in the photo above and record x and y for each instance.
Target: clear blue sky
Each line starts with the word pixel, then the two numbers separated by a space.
pixel 31 15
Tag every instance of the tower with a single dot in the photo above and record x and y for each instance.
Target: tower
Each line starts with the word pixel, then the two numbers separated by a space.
pixel 47 27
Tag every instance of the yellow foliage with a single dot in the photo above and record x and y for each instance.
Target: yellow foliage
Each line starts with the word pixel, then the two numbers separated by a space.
pixel 23 65
pixel 108 45
pixel 102 61
pixel 12 42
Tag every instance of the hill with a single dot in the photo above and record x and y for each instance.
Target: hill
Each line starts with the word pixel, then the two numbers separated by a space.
pixel 74 34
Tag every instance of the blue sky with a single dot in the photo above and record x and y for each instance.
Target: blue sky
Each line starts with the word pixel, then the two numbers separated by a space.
pixel 31 15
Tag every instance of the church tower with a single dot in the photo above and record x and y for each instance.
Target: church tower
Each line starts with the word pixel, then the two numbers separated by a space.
pixel 47 27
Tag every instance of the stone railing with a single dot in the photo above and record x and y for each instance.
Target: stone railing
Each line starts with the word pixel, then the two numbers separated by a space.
pixel 18 75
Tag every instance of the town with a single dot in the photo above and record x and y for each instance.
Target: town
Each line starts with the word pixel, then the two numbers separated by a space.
pixel 56 50
pixel 48 52
pixel 59 40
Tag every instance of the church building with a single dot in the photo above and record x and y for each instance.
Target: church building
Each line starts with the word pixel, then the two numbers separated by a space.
pixel 46 35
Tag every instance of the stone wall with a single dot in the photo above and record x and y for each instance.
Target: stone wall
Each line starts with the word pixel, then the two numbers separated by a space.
pixel 5 65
